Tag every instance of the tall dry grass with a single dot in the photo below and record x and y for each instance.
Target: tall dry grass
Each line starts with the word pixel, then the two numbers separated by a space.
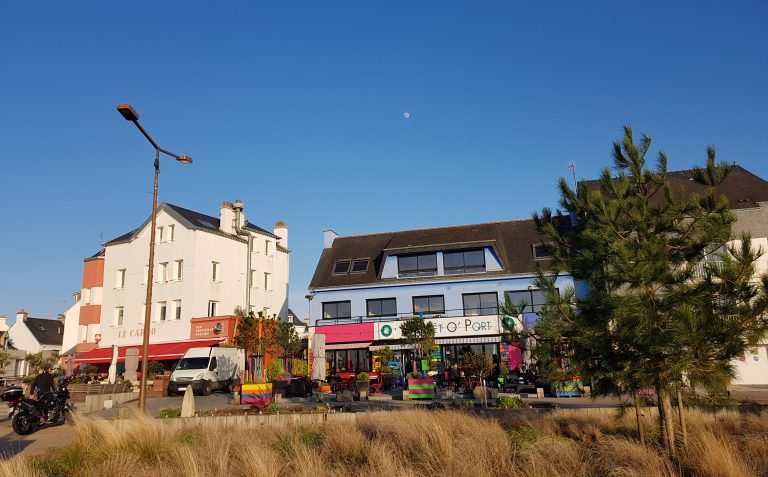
pixel 410 443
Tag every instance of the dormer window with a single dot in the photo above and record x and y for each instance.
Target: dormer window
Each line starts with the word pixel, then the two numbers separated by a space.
pixel 360 265
pixel 341 267
pixel 419 265
pixel 464 261
pixel 543 250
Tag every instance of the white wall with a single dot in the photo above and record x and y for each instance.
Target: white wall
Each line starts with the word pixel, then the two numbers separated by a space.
pixel 71 324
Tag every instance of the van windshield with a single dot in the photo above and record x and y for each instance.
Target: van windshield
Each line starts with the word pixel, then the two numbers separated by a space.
pixel 193 363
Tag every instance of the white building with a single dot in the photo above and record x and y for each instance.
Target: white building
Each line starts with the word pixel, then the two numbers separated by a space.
pixel 204 267
pixel 455 277
pixel 33 335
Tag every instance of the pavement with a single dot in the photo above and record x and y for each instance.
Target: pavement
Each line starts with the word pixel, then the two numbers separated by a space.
pixel 36 443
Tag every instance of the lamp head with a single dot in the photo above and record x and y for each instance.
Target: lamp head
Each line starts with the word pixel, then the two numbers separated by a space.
pixel 184 159
pixel 128 112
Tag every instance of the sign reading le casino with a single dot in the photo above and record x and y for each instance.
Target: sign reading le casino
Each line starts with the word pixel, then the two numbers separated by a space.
pixel 445 327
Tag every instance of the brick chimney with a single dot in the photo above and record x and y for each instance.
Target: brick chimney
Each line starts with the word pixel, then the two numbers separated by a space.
pixel 21 315
pixel 227 218
pixel 281 230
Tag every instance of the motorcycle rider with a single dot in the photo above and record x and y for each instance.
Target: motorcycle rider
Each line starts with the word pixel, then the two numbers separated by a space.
pixel 43 383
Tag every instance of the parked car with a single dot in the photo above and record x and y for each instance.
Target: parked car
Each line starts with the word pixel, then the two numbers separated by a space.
pixel 207 370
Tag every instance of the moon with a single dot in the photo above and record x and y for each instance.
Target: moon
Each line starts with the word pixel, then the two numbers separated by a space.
pixel 407 115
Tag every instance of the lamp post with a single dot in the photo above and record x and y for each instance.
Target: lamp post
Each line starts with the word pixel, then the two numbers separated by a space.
pixel 130 114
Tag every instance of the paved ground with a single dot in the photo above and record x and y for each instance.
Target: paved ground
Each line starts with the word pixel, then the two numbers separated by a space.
pixel 34 444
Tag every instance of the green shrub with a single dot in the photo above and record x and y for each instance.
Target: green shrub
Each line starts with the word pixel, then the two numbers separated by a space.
pixel 510 402
pixel 275 371
pixel 170 412
pixel 363 377
pixel 155 367
pixel 273 408
pixel 386 369
pixel 299 367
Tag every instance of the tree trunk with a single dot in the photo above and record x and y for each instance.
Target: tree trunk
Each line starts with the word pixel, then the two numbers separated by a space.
pixel 640 432
pixel 668 422
pixel 681 417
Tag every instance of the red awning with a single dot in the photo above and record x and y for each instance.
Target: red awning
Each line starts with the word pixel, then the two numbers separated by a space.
pixel 157 352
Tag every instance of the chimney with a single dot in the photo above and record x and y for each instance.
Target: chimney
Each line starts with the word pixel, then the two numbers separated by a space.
pixel 21 315
pixel 328 237
pixel 227 218
pixel 281 230
pixel 239 213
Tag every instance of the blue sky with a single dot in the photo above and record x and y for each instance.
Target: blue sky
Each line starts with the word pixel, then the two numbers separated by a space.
pixel 297 109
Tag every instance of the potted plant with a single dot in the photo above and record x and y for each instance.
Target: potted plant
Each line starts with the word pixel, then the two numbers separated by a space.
pixel 480 365
pixel 155 368
pixel 419 387
pixel 363 385
pixel 420 335
pixel 385 356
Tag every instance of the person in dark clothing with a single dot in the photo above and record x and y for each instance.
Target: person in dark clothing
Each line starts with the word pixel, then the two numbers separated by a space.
pixel 43 383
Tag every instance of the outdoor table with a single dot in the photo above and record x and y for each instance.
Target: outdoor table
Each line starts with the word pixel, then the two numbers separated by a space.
pixel 347 379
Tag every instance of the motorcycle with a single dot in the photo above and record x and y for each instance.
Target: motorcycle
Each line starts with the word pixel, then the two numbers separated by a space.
pixel 30 414
pixel 12 395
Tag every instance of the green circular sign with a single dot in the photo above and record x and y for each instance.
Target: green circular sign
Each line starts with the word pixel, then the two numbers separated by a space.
pixel 386 330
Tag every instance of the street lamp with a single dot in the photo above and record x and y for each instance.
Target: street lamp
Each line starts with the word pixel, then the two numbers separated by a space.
pixel 130 114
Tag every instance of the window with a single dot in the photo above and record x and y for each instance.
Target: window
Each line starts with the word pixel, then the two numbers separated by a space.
pixel 382 307
pixel 266 247
pixel 337 309
pixel 417 265
pixel 177 309
pixel 543 250
pixel 163 309
pixel 178 269
pixel 119 315
pixel 464 261
pixel 360 265
pixel 146 274
pixel 171 234
pixel 341 267
pixel 481 304
pixel 212 305
pixel 120 278
pixel 160 235
pixel 267 282
pixel 162 272
pixel 428 305
pixel 254 279
pixel 215 272
pixel 527 301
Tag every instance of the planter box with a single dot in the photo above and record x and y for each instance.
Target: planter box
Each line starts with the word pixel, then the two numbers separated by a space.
pixel 568 388
pixel 258 394
pixel 423 388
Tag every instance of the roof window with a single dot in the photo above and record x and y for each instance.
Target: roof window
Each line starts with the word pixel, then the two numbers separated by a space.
pixel 341 267
pixel 543 250
pixel 360 265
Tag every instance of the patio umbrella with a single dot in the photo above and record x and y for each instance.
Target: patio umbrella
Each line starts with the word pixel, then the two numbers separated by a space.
pixel 318 357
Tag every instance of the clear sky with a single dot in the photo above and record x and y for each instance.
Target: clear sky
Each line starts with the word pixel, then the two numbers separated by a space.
pixel 297 108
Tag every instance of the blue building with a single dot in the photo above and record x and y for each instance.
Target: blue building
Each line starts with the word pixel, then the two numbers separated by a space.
pixel 364 286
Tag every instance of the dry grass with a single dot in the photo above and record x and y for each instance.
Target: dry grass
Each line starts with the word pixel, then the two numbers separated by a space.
pixel 410 443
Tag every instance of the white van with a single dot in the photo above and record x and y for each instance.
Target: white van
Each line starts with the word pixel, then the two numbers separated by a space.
pixel 206 370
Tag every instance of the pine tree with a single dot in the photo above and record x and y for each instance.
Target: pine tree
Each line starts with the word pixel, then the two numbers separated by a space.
pixel 648 319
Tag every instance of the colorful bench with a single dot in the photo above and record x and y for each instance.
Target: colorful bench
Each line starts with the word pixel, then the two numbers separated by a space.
pixel 258 394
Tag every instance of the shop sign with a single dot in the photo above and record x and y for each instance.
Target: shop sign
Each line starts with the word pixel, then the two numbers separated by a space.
pixel 446 327
pixel 135 333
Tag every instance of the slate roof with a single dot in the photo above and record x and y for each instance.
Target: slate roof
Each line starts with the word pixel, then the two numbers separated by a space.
pixel 194 220
pixel 293 319
pixel 46 332
pixel 742 188
pixel 512 241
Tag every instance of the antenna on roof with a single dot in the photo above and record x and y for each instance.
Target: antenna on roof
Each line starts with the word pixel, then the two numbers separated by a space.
pixel 572 167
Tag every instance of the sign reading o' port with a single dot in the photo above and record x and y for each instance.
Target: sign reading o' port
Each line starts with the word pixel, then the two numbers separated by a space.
pixel 446 327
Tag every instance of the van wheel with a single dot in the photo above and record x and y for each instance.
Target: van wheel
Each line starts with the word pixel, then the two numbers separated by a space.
pixel 206 388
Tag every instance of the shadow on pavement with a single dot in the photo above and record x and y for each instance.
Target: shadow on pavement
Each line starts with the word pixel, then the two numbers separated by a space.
pixel 12 444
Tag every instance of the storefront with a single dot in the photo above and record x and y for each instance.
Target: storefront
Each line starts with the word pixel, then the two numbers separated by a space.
pixel 350 347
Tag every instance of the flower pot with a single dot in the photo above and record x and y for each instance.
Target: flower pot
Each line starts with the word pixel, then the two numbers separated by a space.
pixel 363 388
pixel 421 388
